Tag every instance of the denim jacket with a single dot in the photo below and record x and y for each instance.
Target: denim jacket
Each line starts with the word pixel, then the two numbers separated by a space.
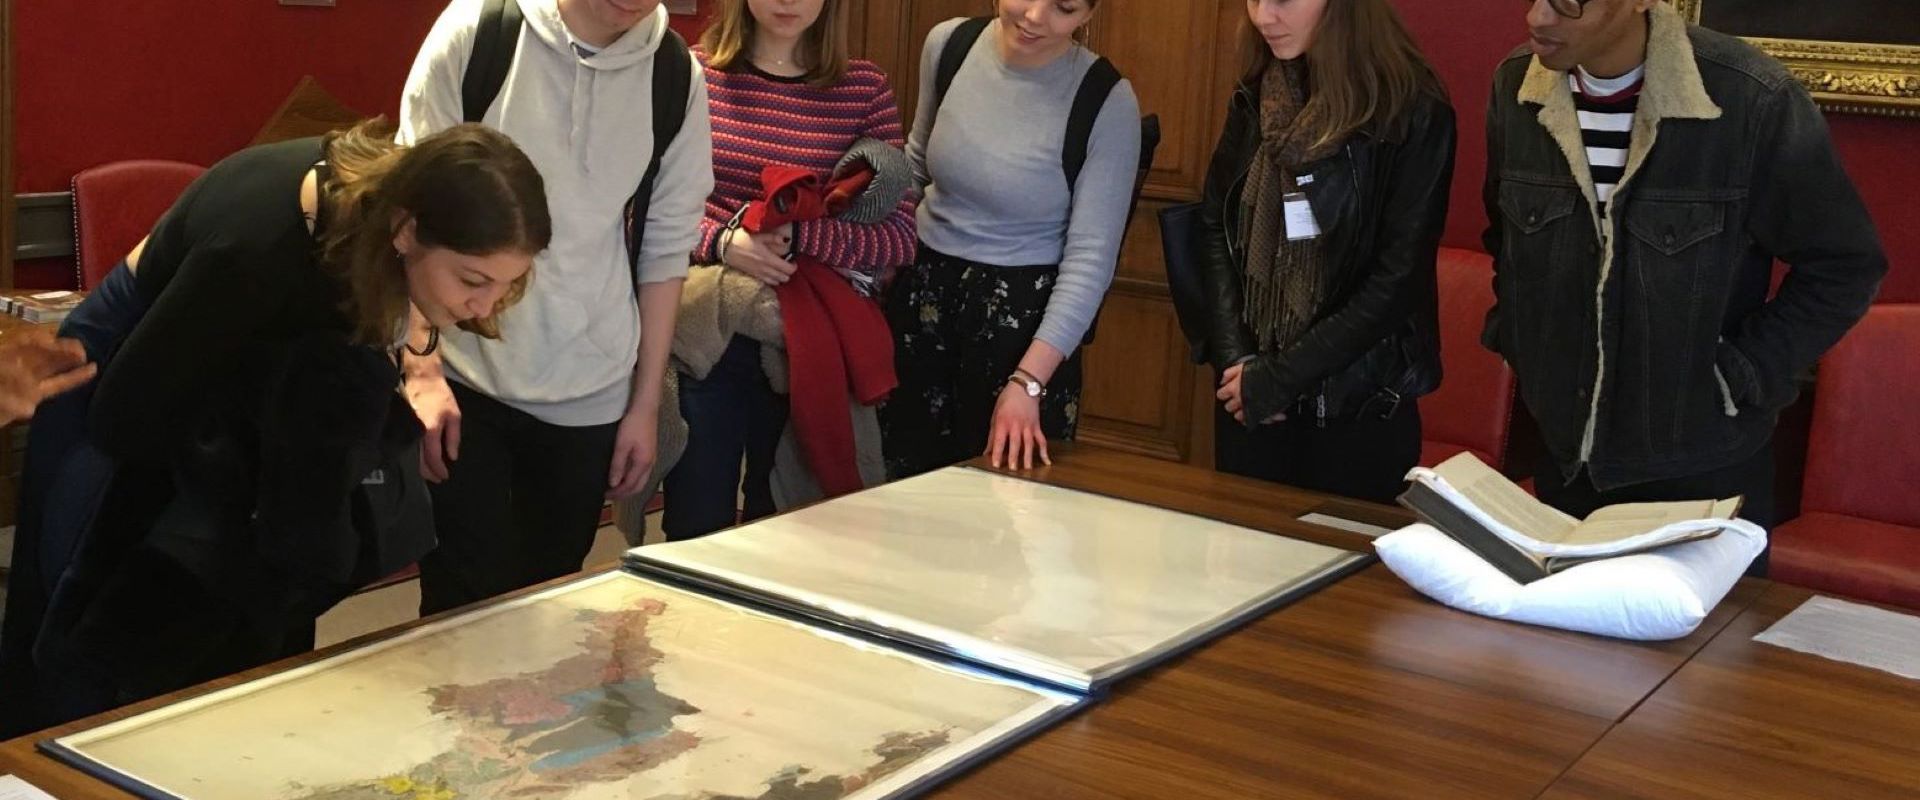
pixel 1641 331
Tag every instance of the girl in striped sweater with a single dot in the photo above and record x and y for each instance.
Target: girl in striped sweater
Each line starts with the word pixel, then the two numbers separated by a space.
pixel 783 91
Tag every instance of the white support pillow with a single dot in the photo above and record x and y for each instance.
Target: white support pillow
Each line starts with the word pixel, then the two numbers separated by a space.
pixel 1662 594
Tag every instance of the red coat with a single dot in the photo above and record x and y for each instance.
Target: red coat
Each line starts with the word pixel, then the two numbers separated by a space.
pixel 838 342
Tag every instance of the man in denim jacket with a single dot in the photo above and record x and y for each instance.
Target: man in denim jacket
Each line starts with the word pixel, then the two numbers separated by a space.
pixel 1643 175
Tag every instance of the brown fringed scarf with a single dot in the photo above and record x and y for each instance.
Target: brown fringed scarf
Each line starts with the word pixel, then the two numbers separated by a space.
pixel 1285 281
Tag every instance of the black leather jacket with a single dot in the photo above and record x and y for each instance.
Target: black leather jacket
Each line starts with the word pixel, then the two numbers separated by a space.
pixel 1381 202
pixel 1668 317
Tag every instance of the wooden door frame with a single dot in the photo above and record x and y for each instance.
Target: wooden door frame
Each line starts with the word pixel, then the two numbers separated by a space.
pixel 7 214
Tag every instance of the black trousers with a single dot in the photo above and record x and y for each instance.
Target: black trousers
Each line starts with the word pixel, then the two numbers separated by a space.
pixel 520 506
pixel 1366 459
pixel 959 330
pixel 734 413
pixel 1751 476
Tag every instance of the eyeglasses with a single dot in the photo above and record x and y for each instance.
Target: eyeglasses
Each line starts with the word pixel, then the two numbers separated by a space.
pixel 1567 9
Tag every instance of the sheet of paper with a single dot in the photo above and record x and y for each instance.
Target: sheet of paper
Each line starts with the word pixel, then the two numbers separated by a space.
pixel 13 788
pixel 1342 523
pixel 1835 629
pixel 1504 500
pixel 1299 217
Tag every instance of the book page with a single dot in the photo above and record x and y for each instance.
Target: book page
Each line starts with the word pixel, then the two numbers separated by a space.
pixel 13 788
pixel 1504 500
pixel 1626 547
pixel 1617 523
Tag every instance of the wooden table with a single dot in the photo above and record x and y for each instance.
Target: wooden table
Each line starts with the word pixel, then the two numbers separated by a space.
pixel 1743 719
pixel 1366 689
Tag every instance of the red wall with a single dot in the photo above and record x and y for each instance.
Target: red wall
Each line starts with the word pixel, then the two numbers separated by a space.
pixel 191 80
pixel 100 82
pixel 1465 39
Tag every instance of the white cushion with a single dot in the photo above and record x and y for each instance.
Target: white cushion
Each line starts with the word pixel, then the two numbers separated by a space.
pixel 1662 594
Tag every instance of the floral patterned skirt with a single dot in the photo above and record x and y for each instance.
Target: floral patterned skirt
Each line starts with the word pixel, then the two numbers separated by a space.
pixel 959 330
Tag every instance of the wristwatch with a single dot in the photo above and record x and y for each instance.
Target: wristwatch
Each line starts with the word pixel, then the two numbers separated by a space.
pixel 1032 385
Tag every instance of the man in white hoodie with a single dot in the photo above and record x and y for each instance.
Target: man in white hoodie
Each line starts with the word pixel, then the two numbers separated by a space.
pixel 528 435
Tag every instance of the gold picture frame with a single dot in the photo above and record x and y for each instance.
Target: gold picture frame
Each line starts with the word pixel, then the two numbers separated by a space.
pixel 1858 77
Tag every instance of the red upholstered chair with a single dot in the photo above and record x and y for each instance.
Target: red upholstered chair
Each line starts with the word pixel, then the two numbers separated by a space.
pixel 1473 408
pixel 1859 529
pixel 114 207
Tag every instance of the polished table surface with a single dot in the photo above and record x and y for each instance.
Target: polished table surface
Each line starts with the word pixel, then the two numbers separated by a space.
pixel 1366 689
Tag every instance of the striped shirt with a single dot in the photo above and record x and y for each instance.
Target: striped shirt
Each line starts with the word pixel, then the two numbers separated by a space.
pixel 1606 107
pixel 761 119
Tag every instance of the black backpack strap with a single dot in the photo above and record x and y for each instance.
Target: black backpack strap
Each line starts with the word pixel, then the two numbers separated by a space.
pixel 494 43
pixel 1149 142
pixel 1095 86
pixel 954 54
pixel 672 85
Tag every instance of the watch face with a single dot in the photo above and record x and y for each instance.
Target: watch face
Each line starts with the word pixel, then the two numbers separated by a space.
pixel 1033 389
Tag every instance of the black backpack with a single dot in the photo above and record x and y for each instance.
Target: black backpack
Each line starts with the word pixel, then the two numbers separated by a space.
pixel 494 43
pixel 1092 95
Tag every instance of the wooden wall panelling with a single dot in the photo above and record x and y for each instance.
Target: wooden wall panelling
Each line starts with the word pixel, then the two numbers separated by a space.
pixel 1142 394
pixel 1164 50
pixel 1182 64
pixel 856 19
pixel 1138 394
pixel 1138 387
pixel 893 33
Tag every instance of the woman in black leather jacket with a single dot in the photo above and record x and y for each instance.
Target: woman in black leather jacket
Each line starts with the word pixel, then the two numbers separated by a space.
pixel 1323 212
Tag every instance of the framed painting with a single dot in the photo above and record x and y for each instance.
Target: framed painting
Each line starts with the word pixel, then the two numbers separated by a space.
pixel 1853 55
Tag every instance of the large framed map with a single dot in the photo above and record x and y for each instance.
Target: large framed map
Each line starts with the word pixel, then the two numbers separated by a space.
pixel 1071 588
pixel 613 686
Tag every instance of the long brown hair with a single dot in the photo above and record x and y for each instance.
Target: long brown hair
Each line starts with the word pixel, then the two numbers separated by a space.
pixel 1363 69
pixel 822 50
pixel 468 189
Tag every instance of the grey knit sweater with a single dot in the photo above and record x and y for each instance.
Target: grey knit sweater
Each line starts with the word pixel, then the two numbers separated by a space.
pixel 994 189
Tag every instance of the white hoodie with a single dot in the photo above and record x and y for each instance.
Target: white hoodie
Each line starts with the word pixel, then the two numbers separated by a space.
pixel 568 350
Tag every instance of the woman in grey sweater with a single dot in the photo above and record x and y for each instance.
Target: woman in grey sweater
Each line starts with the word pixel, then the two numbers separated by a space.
pixel 1013 260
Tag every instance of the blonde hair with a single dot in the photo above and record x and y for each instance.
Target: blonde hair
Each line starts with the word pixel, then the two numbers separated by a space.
pixel 468 188
pixel 822 51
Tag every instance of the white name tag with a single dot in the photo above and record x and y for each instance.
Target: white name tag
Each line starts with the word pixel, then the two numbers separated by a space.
pixel 1300 221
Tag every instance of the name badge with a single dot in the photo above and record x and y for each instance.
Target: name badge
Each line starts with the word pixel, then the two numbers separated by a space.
pixel 1299 214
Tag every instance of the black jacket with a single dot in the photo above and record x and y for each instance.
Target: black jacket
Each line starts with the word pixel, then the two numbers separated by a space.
pixel 255 466
pixel 1381 202
pixel 1660 335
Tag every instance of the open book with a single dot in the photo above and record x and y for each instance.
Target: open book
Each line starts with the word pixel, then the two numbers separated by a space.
pixel 1067 588
pixel 1528 540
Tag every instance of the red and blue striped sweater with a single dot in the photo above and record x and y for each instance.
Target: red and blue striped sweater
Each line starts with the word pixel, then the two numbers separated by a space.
pixel 761 119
